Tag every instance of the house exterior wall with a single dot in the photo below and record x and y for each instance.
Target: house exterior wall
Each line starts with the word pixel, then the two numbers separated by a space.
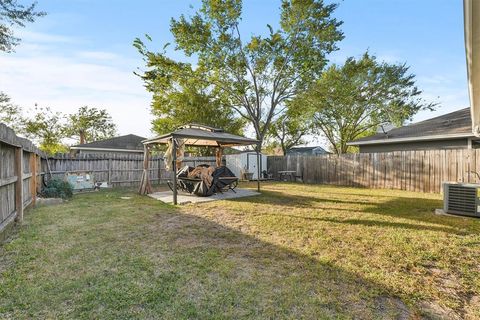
pixel 419 145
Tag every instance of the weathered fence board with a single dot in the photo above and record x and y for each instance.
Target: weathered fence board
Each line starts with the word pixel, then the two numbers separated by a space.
pixel 19 160
pixel 119 170
pixel 22 166
pixel 421 170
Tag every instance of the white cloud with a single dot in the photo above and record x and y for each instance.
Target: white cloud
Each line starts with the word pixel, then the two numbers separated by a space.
pixel 43 71
pixel 98 55
pixel 390 58
pixel 39 73
pixel 449 90
pixel 39 37
pixel 435 80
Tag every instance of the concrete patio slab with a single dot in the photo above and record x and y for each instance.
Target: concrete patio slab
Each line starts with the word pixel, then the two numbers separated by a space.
pixel 442 212
pixel 184 198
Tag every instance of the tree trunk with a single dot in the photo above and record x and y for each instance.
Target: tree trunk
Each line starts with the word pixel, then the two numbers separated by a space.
pixel 260 138
pixel 82 137
pixel 284 148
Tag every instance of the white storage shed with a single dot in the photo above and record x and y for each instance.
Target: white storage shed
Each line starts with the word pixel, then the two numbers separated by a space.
pixel 246 162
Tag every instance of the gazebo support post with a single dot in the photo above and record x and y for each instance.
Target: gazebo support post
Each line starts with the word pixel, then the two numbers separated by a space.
pixel 193 135
pixel 145 186
pixel 258 167
pixel 218 156
pixel 174 166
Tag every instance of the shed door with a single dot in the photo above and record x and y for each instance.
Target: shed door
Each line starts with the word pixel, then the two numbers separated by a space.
pixel 252 164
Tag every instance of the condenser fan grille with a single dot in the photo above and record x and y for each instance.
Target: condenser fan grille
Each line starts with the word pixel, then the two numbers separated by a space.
pixel 461 200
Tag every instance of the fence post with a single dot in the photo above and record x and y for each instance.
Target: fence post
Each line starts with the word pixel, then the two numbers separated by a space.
pixel 39 174
pixel 159 170
pixel 33 181
pixel 109 179
pixel 19 184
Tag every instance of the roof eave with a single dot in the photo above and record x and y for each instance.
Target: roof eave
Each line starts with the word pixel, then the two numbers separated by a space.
pixel 105 149
pixel 412 139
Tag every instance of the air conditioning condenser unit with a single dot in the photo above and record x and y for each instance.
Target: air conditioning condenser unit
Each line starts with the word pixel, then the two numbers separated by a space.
pixel 461 199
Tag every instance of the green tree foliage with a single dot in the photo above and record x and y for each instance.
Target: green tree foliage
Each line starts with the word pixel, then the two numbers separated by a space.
pixel 289 130
pixel 47 129
pixel 10 114
pixel 13 14
pixel 352 100
pixel 90 124
pixel 189 101
pixel 253 75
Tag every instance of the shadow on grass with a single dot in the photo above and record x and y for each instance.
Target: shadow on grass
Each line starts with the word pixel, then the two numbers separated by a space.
pixel 169 264
pixel 380 223
pixel 263 280
pixel 417 210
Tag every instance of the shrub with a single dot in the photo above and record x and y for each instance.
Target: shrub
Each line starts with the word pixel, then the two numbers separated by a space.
pixel 57 188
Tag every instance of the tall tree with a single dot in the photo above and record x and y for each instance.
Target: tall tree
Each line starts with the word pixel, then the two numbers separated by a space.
pixel 13 14
pixel 352 100
pixel 188 100
pixel 255 75
pixel 289 130
pixel 90 124
pixel 10 114
pixel 47 129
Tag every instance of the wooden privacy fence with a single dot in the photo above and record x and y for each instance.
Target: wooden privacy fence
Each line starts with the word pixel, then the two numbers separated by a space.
pixel 119 170
pixel 421 171
pixel 22 166
pixel 20 172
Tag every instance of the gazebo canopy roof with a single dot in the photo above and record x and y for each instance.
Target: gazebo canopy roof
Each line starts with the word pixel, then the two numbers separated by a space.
pixel 202 136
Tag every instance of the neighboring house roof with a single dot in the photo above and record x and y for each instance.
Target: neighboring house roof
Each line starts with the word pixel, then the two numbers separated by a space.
pixel 452 125
pixel 317 149
pixel 128 143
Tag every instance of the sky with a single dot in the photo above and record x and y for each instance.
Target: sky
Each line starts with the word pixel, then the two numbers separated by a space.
pixel 81 53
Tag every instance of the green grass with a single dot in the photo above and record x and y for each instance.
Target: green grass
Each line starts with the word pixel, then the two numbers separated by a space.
pixel 296 251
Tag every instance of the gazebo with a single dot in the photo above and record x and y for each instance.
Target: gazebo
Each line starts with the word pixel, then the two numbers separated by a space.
pixel 192 135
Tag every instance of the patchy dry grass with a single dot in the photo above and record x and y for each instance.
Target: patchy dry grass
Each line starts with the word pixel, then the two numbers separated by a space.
pixel 296 251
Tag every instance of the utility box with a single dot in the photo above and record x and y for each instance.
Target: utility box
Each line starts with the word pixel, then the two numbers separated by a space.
pixel 246 162
pixel 80 180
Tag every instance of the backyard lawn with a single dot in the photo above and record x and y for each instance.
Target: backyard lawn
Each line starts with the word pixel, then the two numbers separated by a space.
pixel 296 251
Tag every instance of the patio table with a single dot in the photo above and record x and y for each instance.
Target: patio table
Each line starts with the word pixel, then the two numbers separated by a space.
pixel 287 173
